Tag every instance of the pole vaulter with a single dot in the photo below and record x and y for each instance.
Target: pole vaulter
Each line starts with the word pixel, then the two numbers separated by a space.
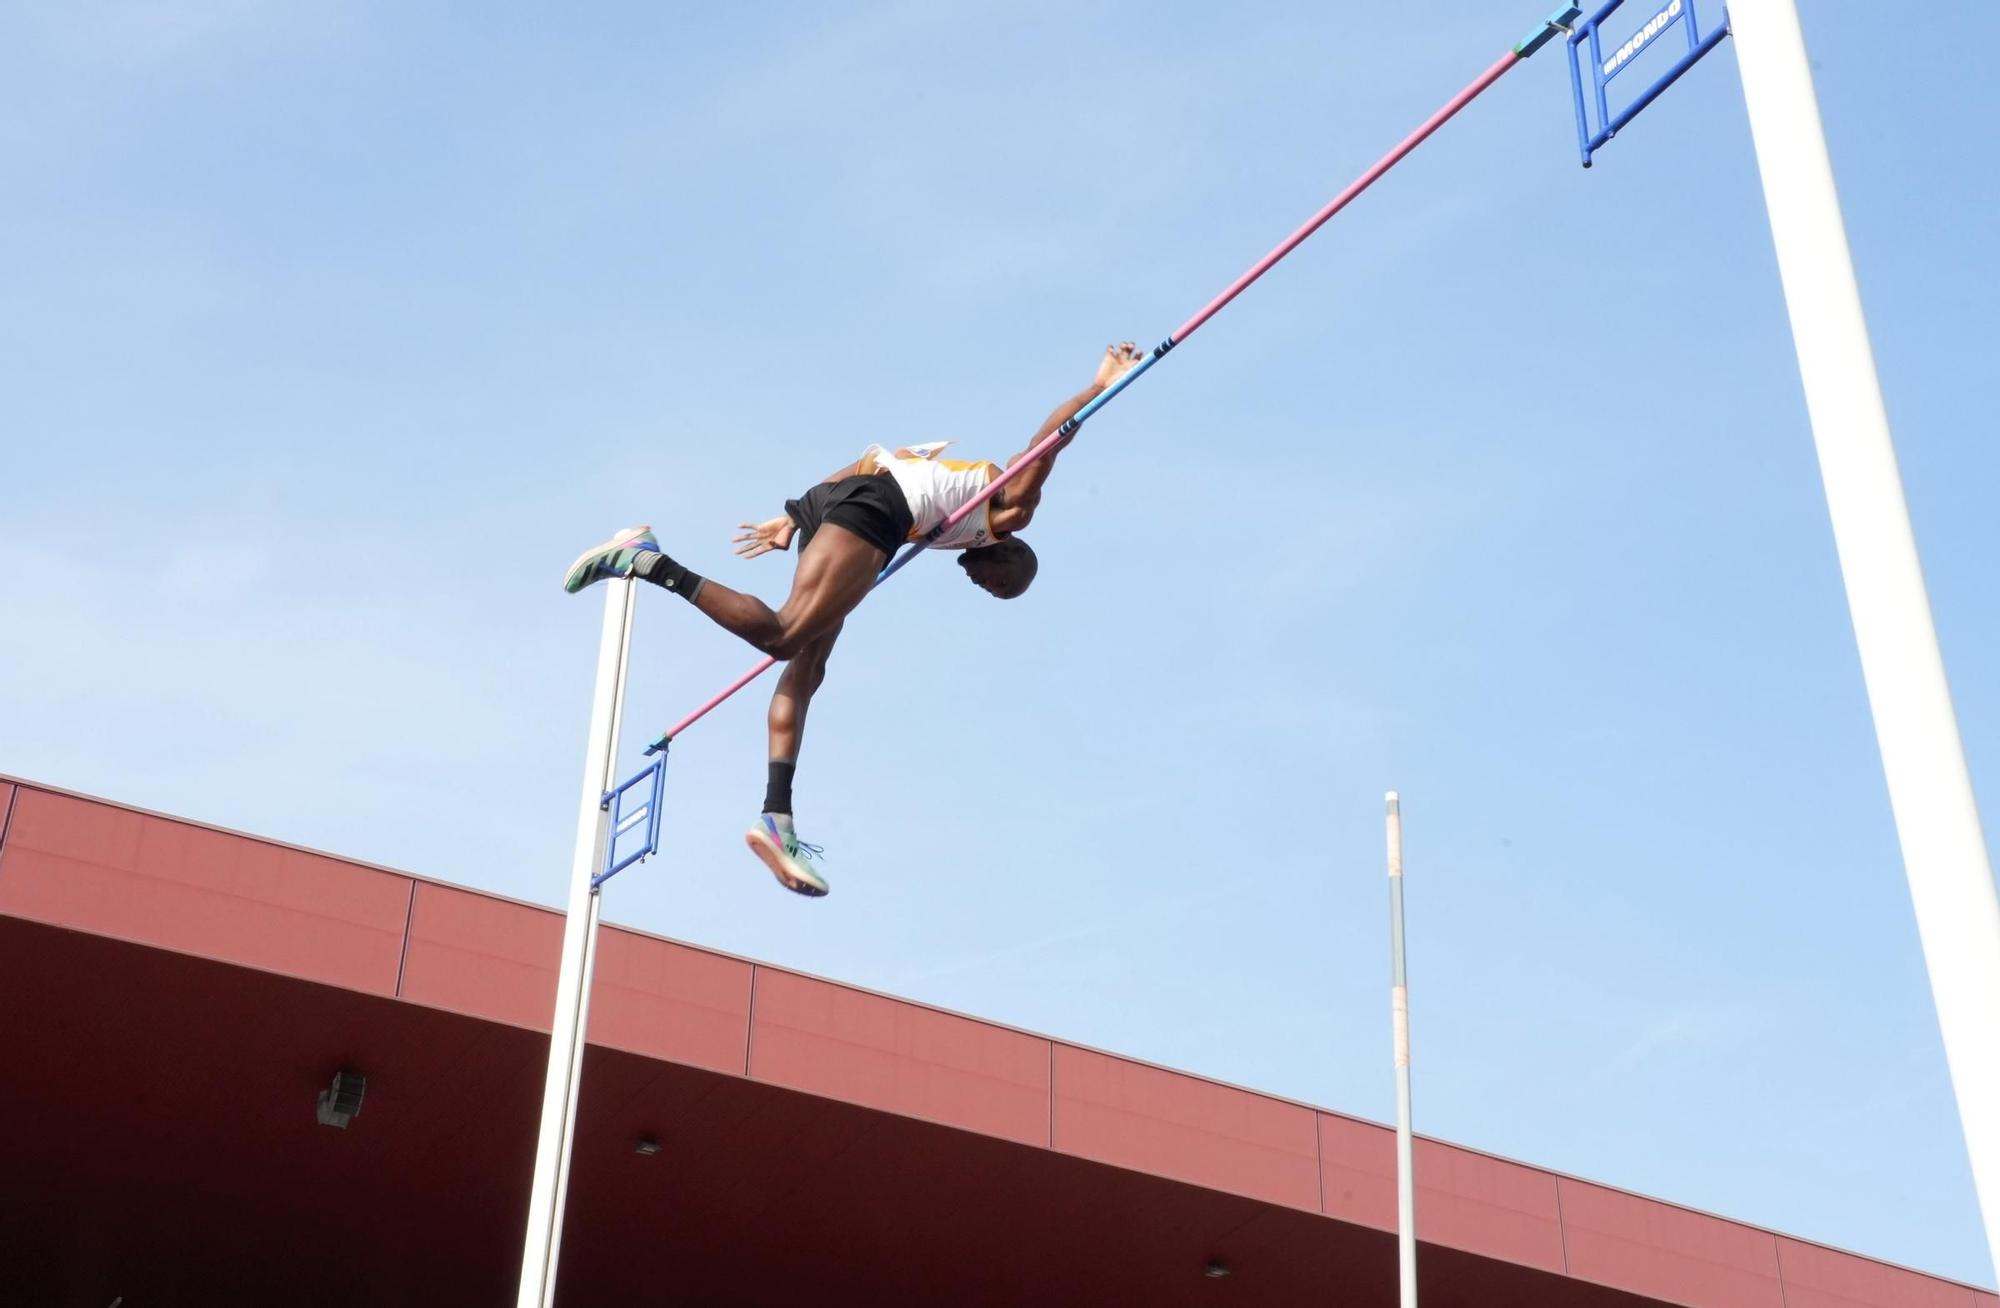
pixel 909 496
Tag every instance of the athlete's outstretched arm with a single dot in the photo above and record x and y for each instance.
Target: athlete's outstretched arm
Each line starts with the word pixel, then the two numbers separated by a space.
pixel 1014 507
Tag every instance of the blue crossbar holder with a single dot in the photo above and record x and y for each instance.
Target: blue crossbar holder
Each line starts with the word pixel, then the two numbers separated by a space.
pixel 1560 23
pixel 1593 131
pixel 619 853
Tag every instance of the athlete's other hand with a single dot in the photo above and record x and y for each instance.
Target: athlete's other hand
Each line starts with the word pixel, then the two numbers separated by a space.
pixel 1117 361
pixel 763 537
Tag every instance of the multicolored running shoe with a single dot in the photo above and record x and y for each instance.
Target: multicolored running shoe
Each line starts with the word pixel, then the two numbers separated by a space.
pixel 614 558
pixel 785 854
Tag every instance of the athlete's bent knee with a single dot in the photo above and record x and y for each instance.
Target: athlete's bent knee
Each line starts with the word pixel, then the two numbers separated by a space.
pixel 786 646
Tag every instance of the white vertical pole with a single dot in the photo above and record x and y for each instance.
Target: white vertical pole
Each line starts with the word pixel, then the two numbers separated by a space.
pixel 1399 1017
pixel 1930 790
pixel 543 1243
pixel 577 1044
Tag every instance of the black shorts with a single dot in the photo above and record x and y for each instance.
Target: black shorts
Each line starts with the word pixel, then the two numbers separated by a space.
pixel 871 507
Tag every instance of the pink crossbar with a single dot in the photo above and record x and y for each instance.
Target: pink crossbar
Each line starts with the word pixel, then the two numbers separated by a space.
pixel 1341 201
pixel 716 700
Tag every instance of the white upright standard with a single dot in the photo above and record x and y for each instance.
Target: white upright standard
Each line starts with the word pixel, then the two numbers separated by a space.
pixel 1399 1019
pixel 1930 789
pixel 543 1245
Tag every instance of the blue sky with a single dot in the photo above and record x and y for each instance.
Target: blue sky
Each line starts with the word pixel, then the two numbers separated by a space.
pixel 331 332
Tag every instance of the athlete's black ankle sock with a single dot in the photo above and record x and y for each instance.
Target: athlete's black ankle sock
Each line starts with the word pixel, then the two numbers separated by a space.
pixel 663 572
pixel 778 790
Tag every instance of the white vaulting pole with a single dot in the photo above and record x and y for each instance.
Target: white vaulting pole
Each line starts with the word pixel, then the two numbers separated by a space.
pixel 543 1243
pixel 1930 790
pixel 1399 1017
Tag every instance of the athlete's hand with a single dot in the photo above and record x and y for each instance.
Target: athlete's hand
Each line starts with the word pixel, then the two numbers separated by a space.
pixel 1117 361
pixel 763 537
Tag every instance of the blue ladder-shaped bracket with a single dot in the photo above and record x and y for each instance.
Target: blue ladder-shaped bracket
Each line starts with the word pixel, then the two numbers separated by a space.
pixel 1593 131
pixel 619 853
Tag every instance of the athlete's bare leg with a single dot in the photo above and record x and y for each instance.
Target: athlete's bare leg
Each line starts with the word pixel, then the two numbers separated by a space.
pixel 796 684
pixel 774 839
pixel 834 573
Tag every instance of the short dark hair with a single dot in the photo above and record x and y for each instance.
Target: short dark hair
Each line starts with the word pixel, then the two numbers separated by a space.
pixel 1010 552
pixel 1021 554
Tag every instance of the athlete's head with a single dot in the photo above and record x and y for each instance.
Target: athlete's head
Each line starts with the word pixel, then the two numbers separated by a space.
pixel 1003 569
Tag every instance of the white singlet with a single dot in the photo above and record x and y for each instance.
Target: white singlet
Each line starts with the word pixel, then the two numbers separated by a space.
pixel 937 488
